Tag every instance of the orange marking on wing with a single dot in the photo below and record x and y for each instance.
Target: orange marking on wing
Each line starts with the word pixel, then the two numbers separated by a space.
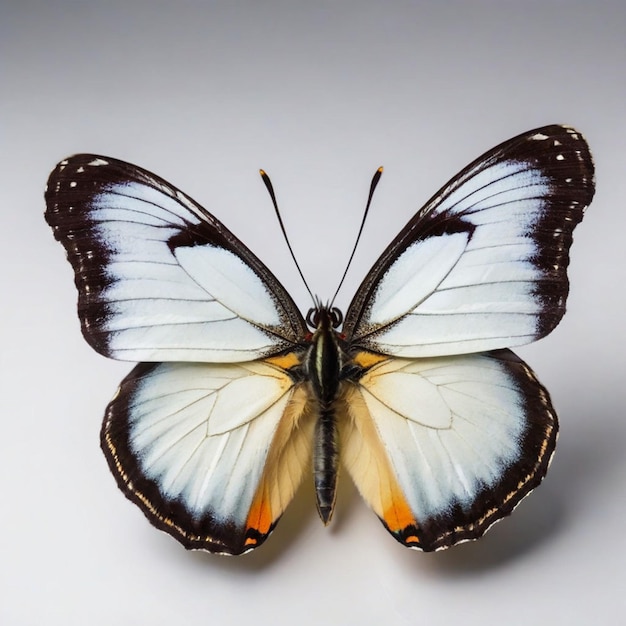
pixel 397 514
pixel 367 460
pixel 368 359
pixel 260 516
pixel 285 361
pixel 287 459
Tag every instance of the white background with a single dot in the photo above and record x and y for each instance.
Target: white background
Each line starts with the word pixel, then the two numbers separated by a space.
pixel 319 94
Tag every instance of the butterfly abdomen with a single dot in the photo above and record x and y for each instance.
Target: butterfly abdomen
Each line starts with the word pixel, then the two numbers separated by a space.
pixel 325 462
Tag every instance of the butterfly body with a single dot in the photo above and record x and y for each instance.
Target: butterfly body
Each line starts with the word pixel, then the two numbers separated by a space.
pixel 415 393
pixel 324 365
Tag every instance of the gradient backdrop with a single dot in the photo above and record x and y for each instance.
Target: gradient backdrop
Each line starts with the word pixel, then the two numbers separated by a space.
pixel 319 94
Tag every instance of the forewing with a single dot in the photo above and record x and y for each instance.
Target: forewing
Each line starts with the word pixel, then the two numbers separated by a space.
pixel 159 278
pixel 483 265
pixel 212 454
pixel 442 448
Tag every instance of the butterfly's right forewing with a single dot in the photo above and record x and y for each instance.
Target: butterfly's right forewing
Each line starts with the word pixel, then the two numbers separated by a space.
pixel 484 264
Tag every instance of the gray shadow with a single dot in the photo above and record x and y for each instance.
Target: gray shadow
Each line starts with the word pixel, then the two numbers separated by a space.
pixel 588 451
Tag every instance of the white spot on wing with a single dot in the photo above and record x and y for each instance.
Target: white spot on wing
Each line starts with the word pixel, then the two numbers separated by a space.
pixel 98 162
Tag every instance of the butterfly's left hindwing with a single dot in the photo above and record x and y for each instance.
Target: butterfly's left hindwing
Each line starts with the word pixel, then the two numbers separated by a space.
pixel 442 448
pixel 212 454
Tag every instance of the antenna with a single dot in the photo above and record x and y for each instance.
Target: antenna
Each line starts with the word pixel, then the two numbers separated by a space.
pixel 270 189
pixel 373 185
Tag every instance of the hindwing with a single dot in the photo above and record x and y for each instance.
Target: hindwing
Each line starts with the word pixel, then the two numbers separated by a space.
pixel 212 454
pixel 442 448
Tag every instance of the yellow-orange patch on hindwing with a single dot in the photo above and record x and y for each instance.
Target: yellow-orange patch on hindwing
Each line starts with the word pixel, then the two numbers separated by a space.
pixel 285 361
pixel 365 457
pixel 366 359
pixel 287 459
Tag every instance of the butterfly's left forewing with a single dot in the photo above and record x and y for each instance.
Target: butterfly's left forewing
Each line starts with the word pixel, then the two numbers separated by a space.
pixel 211 453
pixel 158 277
pixel 442 448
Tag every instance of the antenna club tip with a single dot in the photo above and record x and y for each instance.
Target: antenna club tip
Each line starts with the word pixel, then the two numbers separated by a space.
pixel 381 169
pixel 262 172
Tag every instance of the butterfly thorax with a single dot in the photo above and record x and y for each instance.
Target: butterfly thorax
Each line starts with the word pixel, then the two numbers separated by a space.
pixel 326 356
pixel 324 363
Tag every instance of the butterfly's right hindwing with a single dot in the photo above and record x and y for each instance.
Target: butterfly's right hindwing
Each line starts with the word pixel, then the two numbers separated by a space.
pixel 442 448
pixel 159 278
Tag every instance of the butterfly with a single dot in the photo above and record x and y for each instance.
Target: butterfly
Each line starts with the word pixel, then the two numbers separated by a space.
pixel 415 392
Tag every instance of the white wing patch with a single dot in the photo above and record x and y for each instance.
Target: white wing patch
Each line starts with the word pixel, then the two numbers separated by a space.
pixel 160 308
pixel 230 282
pixel 124 202
pixel 202 433
pixel 450 426
pixel 417 272
pixel 474 297
pixel 484 188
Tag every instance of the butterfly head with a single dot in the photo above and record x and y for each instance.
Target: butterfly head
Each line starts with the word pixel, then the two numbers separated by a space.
pixel 323 316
